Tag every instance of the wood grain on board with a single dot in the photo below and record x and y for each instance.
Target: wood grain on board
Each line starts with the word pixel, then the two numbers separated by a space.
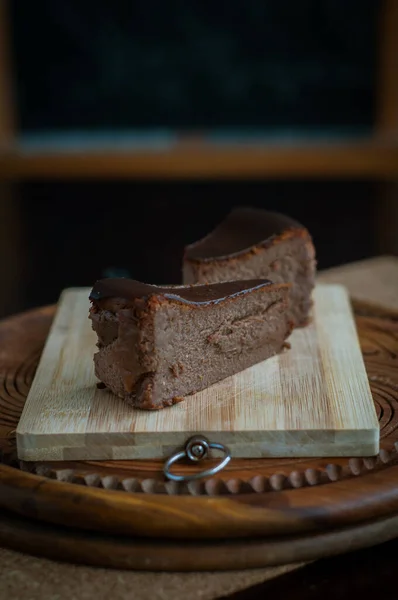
pixel 311 400
pixel 250 498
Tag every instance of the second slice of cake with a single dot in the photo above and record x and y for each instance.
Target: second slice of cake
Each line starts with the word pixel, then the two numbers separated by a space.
pixel 254 243
pixel 159 344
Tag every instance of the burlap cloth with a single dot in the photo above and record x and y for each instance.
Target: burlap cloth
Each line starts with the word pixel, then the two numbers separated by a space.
pixel 24 577
pixel 29 578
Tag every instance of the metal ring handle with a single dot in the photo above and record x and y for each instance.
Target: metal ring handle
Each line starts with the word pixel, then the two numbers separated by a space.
pixel 196 449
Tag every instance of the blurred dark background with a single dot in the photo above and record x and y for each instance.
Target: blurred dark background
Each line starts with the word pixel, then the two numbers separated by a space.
pixel 259 64
pixel 142 228
pixel 129 129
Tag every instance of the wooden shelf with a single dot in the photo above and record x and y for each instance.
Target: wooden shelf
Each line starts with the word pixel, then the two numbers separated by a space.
pixel 184 160
pixel 374 158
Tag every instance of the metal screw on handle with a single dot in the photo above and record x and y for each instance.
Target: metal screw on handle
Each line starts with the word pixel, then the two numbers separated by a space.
pixel 196 449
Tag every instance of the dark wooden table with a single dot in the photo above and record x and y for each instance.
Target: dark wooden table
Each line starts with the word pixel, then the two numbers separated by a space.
pixel 370 570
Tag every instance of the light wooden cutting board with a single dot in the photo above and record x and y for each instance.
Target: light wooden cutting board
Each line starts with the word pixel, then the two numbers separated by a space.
pixel 311 400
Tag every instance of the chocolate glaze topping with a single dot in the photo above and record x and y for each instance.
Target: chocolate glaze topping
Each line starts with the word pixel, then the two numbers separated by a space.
pixel 242 229
pixel 129 289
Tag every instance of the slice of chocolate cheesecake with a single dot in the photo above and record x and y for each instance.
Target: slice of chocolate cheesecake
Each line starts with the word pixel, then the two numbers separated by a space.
pixel 159 344
pixel 253 243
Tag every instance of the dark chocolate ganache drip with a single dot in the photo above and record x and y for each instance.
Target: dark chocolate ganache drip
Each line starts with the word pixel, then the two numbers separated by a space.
pixel 129 289
pixel 242 229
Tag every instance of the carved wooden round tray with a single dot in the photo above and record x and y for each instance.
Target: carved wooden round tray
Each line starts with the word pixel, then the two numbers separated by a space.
pixel 123 513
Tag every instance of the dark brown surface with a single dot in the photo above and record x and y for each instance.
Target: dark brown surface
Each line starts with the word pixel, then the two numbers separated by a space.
pixel 128 289
pixel 242 229
pixel 130 552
